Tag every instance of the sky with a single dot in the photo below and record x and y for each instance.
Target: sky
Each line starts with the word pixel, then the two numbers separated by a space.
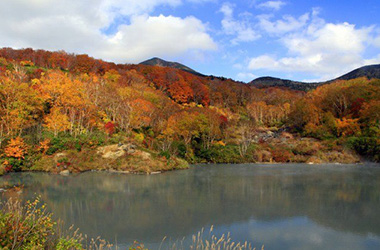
pixel 305 40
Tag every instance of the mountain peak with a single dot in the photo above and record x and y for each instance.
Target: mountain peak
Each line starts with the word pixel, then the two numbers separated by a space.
pixel 156 61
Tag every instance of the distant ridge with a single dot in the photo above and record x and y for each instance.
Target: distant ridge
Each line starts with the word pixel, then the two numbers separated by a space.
pixel 155 61
pixel 267 81
pixel 371 71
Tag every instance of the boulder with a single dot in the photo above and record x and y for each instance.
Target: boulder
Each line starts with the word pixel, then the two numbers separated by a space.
pixel 128 148
pixel 287 135
pixel 59 156
pixel 64 172
pixel 145 155
pixel 314 160
pixel 116 150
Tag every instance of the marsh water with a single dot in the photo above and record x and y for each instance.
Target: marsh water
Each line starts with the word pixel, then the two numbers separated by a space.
pixel 279 206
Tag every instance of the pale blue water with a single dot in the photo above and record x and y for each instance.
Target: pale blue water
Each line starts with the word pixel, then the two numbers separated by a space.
pixel 280 206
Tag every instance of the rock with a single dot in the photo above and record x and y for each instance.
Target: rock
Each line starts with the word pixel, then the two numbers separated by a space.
pixel 128 148
pixel 116 150
pixel 287 135
pixel 145 155
pixel 314 160
pixel 118 171
pixel 111 152
pixel 158 172
pixel 59 156
pixel 65 172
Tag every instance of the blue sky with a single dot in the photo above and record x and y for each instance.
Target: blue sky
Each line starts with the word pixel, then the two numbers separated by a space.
pixel 296 39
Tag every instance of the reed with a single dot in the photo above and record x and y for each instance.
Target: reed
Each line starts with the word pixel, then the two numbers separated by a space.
pixel 209 241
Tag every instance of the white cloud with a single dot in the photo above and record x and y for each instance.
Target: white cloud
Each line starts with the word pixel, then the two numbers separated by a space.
pixel 262 62
pixel 242 30
pixel 286 24
pixel 245 76
pixel 318 48
pixel 161 36
pixel 273 5
pixel 76 26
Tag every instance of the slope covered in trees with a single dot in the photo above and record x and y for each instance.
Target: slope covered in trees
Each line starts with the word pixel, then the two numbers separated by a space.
pixel 54 102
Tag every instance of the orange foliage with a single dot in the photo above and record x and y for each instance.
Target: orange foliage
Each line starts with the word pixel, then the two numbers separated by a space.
pixel 141 112
pixel 16 148
pixel 346 127
pixel 44 146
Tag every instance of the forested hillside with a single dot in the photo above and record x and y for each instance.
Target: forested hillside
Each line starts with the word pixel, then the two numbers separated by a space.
pixel 369 72
pixel 54 102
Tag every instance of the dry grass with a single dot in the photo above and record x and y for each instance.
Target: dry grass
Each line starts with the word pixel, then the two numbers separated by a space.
pixel 209 241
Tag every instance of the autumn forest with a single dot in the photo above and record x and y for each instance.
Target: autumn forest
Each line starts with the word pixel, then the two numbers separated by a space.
pixel 58 109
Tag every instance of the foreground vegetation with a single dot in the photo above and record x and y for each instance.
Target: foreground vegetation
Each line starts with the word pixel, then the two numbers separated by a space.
pixel 30 226
pixel 57 109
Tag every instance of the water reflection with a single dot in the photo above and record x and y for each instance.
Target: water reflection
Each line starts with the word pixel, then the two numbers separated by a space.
pixel 282 206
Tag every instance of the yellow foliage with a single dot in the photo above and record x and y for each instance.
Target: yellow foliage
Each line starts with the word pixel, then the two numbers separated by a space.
pixel 3 61
pixel 112 75
pixel 27 63
pixel 139 137
pixel 57 121
pixel 220 143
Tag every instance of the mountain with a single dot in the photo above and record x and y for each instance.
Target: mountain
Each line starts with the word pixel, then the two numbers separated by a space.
pixel 371 71
pixel 155 61
pixel 267 81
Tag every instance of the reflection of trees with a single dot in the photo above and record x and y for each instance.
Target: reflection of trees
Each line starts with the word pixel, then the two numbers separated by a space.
pixel 179 203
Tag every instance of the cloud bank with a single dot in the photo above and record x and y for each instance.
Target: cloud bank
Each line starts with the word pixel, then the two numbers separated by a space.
pixel 315 46
pixel 77 26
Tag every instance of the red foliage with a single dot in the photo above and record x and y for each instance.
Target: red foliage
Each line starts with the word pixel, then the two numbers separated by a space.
pixel 36 74
pixel 281 155
pixel 110 127
pixel 8 168
pixel 356 106
pixel 2 69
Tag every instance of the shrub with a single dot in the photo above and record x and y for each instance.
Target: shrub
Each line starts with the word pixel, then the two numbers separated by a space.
pixel 15 153
pixel 165 154
pixel 366 146
pixel 282 155
pixel 65 142
pixel 30 226
pixel 16 148
pixel 307 148
pixel 224 154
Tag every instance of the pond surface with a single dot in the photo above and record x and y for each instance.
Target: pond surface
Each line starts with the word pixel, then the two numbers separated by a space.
pixel 280 206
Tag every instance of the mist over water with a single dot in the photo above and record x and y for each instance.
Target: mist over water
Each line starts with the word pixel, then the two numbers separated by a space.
pixel 288 206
